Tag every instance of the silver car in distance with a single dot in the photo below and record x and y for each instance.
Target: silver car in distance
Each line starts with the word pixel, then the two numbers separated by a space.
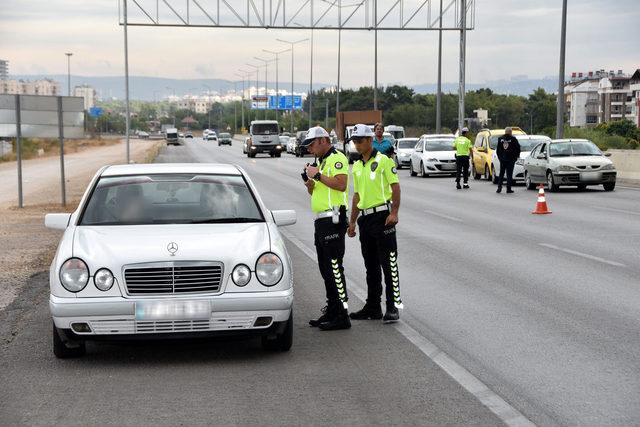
pixel 170 250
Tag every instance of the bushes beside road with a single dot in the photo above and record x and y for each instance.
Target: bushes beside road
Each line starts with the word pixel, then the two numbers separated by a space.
pixel 39 147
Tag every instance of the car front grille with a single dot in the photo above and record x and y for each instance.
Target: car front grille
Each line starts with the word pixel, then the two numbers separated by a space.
pixel 173 278
pixel 220 322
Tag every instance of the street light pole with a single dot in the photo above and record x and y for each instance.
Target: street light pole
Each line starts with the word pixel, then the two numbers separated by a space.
pixel 242 102
pixel 375 56
pixel 277 54
pixel 174 113
pixel 439 93
pixel 463 46
pixel 68 73
pixel 311 84
pixel 292 44
pixel 126 78
pixel 563 42
pixel 266 92
pixel 256 68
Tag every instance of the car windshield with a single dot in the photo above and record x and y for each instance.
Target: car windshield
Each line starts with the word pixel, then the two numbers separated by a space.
pixel 265 129
pixel 529 144
pixel 397 134
pixel 407 143
pixel 574 148
pixel 225 135
pixel 284 139
pixel 439 145
pixel 171 199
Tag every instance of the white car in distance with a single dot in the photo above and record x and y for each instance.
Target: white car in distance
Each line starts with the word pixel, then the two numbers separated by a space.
pixel 527 143
pixel 433 156
pixel 166 251
pixel 404 149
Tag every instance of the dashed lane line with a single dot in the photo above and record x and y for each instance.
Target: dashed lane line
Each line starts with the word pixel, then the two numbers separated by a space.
pixel 496 404
pixel 581 254
pixel 451 218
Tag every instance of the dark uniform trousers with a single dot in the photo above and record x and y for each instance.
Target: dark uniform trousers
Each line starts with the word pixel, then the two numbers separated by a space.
pixel 329 242
pixel 462 168
pixel 506 166
pixel 380 249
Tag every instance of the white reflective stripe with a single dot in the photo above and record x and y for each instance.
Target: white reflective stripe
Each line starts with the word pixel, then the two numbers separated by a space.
pixel 541 199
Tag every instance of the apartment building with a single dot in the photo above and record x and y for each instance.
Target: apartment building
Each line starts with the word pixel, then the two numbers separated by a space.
pixel 4 69
pixel 37 87
pixel 88 93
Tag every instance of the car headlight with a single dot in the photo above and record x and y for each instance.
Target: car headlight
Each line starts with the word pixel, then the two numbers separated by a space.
pixel 74 275
pixel 520 162
pixel 269 269
pixel 566 168
pixel 241 275
pixel 103 279
pixel 608 167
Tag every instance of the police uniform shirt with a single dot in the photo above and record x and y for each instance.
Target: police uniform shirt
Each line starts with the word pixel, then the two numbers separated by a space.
pixel 372 180
pixel 462 144
pixel 324 198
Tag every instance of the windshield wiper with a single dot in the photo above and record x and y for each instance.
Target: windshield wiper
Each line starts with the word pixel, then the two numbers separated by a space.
pixel 585 154
pixel 560 155
pixel 225 220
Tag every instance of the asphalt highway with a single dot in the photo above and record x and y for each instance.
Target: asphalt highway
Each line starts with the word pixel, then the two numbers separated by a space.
pixel 543 309
pixel 509 318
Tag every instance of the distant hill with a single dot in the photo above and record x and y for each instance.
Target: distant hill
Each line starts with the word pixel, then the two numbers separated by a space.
pixel 150 88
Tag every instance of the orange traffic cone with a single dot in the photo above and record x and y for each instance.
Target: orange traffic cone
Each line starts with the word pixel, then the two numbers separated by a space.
pixel 541 206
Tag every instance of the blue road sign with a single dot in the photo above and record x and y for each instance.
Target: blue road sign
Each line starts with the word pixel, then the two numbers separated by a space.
pixel 284 102
pixel 95 111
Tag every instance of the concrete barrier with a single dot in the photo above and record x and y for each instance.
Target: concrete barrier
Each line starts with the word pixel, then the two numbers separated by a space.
pixel 627 162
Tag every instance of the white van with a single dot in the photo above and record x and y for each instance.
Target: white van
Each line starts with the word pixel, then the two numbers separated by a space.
pixel 396 132
pixel 264 138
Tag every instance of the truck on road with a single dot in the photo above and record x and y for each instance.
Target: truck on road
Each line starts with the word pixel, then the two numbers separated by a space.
pixel 345 120
pixel 171 136
pixel 264 137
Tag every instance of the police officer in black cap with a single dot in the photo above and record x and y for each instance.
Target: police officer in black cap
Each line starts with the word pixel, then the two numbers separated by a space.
pixel 327 182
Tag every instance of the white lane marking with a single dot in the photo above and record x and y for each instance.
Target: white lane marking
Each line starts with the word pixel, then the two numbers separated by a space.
pixel 617 210
pixel 451 218
pixel 581 254
pixel 496 404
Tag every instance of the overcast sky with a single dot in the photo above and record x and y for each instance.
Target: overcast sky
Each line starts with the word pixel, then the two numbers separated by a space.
pixel 511 38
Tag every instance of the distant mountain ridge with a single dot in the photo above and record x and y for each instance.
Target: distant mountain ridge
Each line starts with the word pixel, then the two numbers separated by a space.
pixel 156 88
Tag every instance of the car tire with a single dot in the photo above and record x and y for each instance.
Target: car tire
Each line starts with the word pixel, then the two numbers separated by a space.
pixel 494 178
pixel 609 186
pixel 551 185
pixel 278 154
pixel 582 187
pixel 283 341
pixel 69 349
pixel 411 171
pixel 475 174
pixel 527 182
pixel 487 173
pixel 423 173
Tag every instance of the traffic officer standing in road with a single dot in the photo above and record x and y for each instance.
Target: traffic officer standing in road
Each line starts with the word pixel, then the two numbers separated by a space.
pixel 327 185
pixel 508 152
pixel 380 143
pixel 462 145
pixel 376 199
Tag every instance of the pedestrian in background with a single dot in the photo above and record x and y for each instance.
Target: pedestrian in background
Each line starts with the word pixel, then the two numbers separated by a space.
pixel 376 200
pixel 508 152
pixel 380 142
pixel 462 145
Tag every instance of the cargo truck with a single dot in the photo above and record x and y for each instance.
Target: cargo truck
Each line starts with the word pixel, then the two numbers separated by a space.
pixel 345 120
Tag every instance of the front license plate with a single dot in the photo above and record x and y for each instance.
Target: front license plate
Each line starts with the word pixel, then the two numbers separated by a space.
pixel 172 310
pixel 591 176
pixel 448 167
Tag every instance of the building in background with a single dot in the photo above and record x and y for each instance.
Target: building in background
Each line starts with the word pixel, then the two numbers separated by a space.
pixel 37 87
pixel 4 69
pixel 88 93
pixel 600 97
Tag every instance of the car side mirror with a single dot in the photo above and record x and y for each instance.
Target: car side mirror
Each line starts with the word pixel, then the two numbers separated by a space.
pixel 57 221
pixel 284 217
pixel 541 156
pixel 607 154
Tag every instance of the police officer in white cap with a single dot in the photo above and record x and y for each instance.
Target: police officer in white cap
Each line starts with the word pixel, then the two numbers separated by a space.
pixel 376 200
pixel 327 184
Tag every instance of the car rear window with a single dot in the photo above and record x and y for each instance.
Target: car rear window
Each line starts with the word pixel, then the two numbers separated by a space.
pixel 439 145
pixel 171 199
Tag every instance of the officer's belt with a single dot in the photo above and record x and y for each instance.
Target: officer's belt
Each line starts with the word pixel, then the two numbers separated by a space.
pixel 328 213
pixel 375 209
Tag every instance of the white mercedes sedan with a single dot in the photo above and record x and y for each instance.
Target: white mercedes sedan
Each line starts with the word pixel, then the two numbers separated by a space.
pixel 170 250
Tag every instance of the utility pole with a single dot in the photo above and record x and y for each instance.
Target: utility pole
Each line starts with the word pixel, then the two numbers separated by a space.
pixel 292 56
pixel 563 42
pixel 277 54
pixel 311 84
pixel 126 80
pixel 242 102
pixel 463 46
pixel 256 68
pixel 68 73
pixel 439 93
pixel 375 60
pixel 326 113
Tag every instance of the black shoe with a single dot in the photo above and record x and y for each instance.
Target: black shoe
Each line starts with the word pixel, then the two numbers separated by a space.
pixel 465 185
pixel 367 313
pixel 391 315
pixel 499 190
pixel 458 186
pixel 340 321
pixel 326 316
pixel 509 191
